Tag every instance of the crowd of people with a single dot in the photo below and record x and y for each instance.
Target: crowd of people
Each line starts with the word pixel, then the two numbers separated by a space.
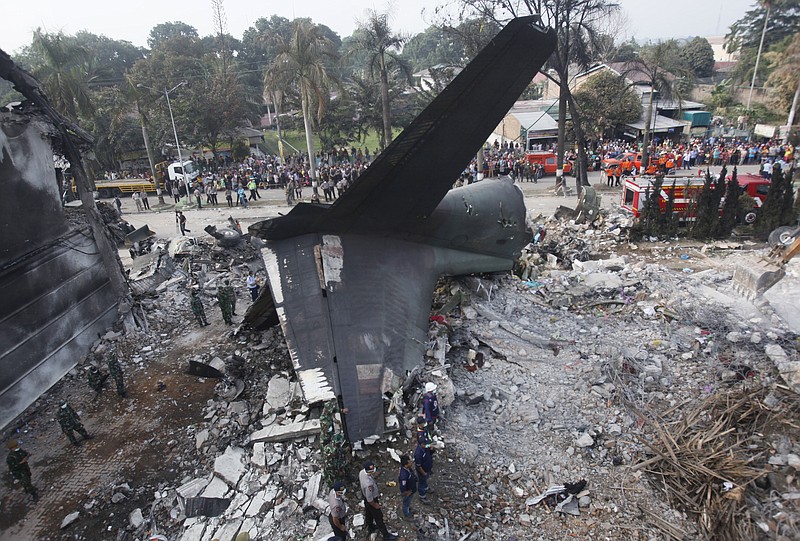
pixel 241 180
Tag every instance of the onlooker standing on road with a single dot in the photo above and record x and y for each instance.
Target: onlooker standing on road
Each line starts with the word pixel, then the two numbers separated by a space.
pixel 138 200
pixel 423 460
pixel 372 506
pixel 407 482
pixel 118 204
pixel 338 510
pixel 17 461
pixel 197 195
pixel 145 202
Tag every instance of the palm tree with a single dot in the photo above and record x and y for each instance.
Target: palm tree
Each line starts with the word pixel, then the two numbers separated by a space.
pixel 64 68
pixel 382 47
pixel 303 63
pixel 659 65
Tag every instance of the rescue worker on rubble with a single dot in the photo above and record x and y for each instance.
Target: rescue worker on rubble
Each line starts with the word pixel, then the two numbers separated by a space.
pixel 225 302
pixel 338 512
pixel 372 505
pixel 17 460
pixel 333 444
pixel 231 295
pixel 423 462
pixel 422 428
pixel 115 371
pixel 198 310
pixel 96 380
pixel 70 422
pixel 430 405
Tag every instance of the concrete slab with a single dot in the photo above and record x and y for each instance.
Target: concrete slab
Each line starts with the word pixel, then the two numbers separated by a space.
pixel 312 489
pixel 193 487
pixel 217 488
pixel 194 532
pixel 259 456
pixel 228 531
pixel 230 466
pixel 286 432
pixel 279 393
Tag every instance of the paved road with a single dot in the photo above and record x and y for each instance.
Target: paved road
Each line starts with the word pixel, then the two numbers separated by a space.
pixel 539 199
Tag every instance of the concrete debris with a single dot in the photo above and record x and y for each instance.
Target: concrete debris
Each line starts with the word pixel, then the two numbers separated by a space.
pixel 136 518
pixel 285 432
pixel 192 488
pixel 591 337
pixel 230 465
pixel 69 519
pixel 279 393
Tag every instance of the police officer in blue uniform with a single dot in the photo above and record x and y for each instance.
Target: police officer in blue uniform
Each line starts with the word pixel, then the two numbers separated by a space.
pixel 407 481
pixel 423 461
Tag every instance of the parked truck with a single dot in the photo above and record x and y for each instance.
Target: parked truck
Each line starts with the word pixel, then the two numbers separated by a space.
pixel 686 190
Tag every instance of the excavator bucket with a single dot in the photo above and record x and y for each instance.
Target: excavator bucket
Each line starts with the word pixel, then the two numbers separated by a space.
pixel 751 278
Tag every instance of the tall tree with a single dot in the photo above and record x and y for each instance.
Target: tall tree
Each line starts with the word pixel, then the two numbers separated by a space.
pixel 604 102
pixel 662 68
pixel 433 46
pixel 698 56
pixel 382 48
pixel 171 31
pixel 303 66
pixel 785 78
pixel 577 24
pixel 65 69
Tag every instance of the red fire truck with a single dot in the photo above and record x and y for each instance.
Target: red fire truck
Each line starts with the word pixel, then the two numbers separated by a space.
pixel 687 189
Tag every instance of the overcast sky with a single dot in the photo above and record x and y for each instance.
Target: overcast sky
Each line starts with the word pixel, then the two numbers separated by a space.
pixel 132 20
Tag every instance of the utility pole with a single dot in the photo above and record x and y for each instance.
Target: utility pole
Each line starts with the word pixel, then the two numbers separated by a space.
pixel 755 69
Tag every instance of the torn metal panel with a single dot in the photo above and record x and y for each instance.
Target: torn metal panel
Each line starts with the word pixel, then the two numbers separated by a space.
pixel 351 282
pixel 206 507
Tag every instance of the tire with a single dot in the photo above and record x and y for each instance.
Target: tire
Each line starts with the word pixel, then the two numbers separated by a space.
pixel 750 217
pixel 231 237
pixel 105 193
pixel 781 236
pixel 117 192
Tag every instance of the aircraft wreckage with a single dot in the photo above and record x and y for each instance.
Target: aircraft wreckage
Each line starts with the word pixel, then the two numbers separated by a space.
pixel 351 282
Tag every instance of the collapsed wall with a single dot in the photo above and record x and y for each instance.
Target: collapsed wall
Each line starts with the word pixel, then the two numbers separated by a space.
pixel 56 293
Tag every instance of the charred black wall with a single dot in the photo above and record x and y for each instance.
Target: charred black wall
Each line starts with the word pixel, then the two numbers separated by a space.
pixel 56 294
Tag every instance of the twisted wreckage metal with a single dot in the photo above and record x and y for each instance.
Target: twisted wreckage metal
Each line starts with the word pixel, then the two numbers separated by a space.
pixel 351 282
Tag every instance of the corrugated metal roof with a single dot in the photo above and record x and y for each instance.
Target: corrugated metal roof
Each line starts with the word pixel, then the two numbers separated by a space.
pixel 535 121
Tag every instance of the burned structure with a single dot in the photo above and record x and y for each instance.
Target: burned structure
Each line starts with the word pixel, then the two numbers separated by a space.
pixel 62 284
pixel 56 293
pixel 351 282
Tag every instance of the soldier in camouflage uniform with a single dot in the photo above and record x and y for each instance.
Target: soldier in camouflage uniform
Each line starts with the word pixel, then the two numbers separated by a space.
pixel 224 295
pixel 333 444
pixel 17 461
pixel 334 459
pixel 231 295
pixel 198 310
pixel 115 371
pixel 96 380
pixel 70 422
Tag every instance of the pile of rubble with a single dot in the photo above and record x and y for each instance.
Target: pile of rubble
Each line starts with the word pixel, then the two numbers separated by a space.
pixel 554 385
